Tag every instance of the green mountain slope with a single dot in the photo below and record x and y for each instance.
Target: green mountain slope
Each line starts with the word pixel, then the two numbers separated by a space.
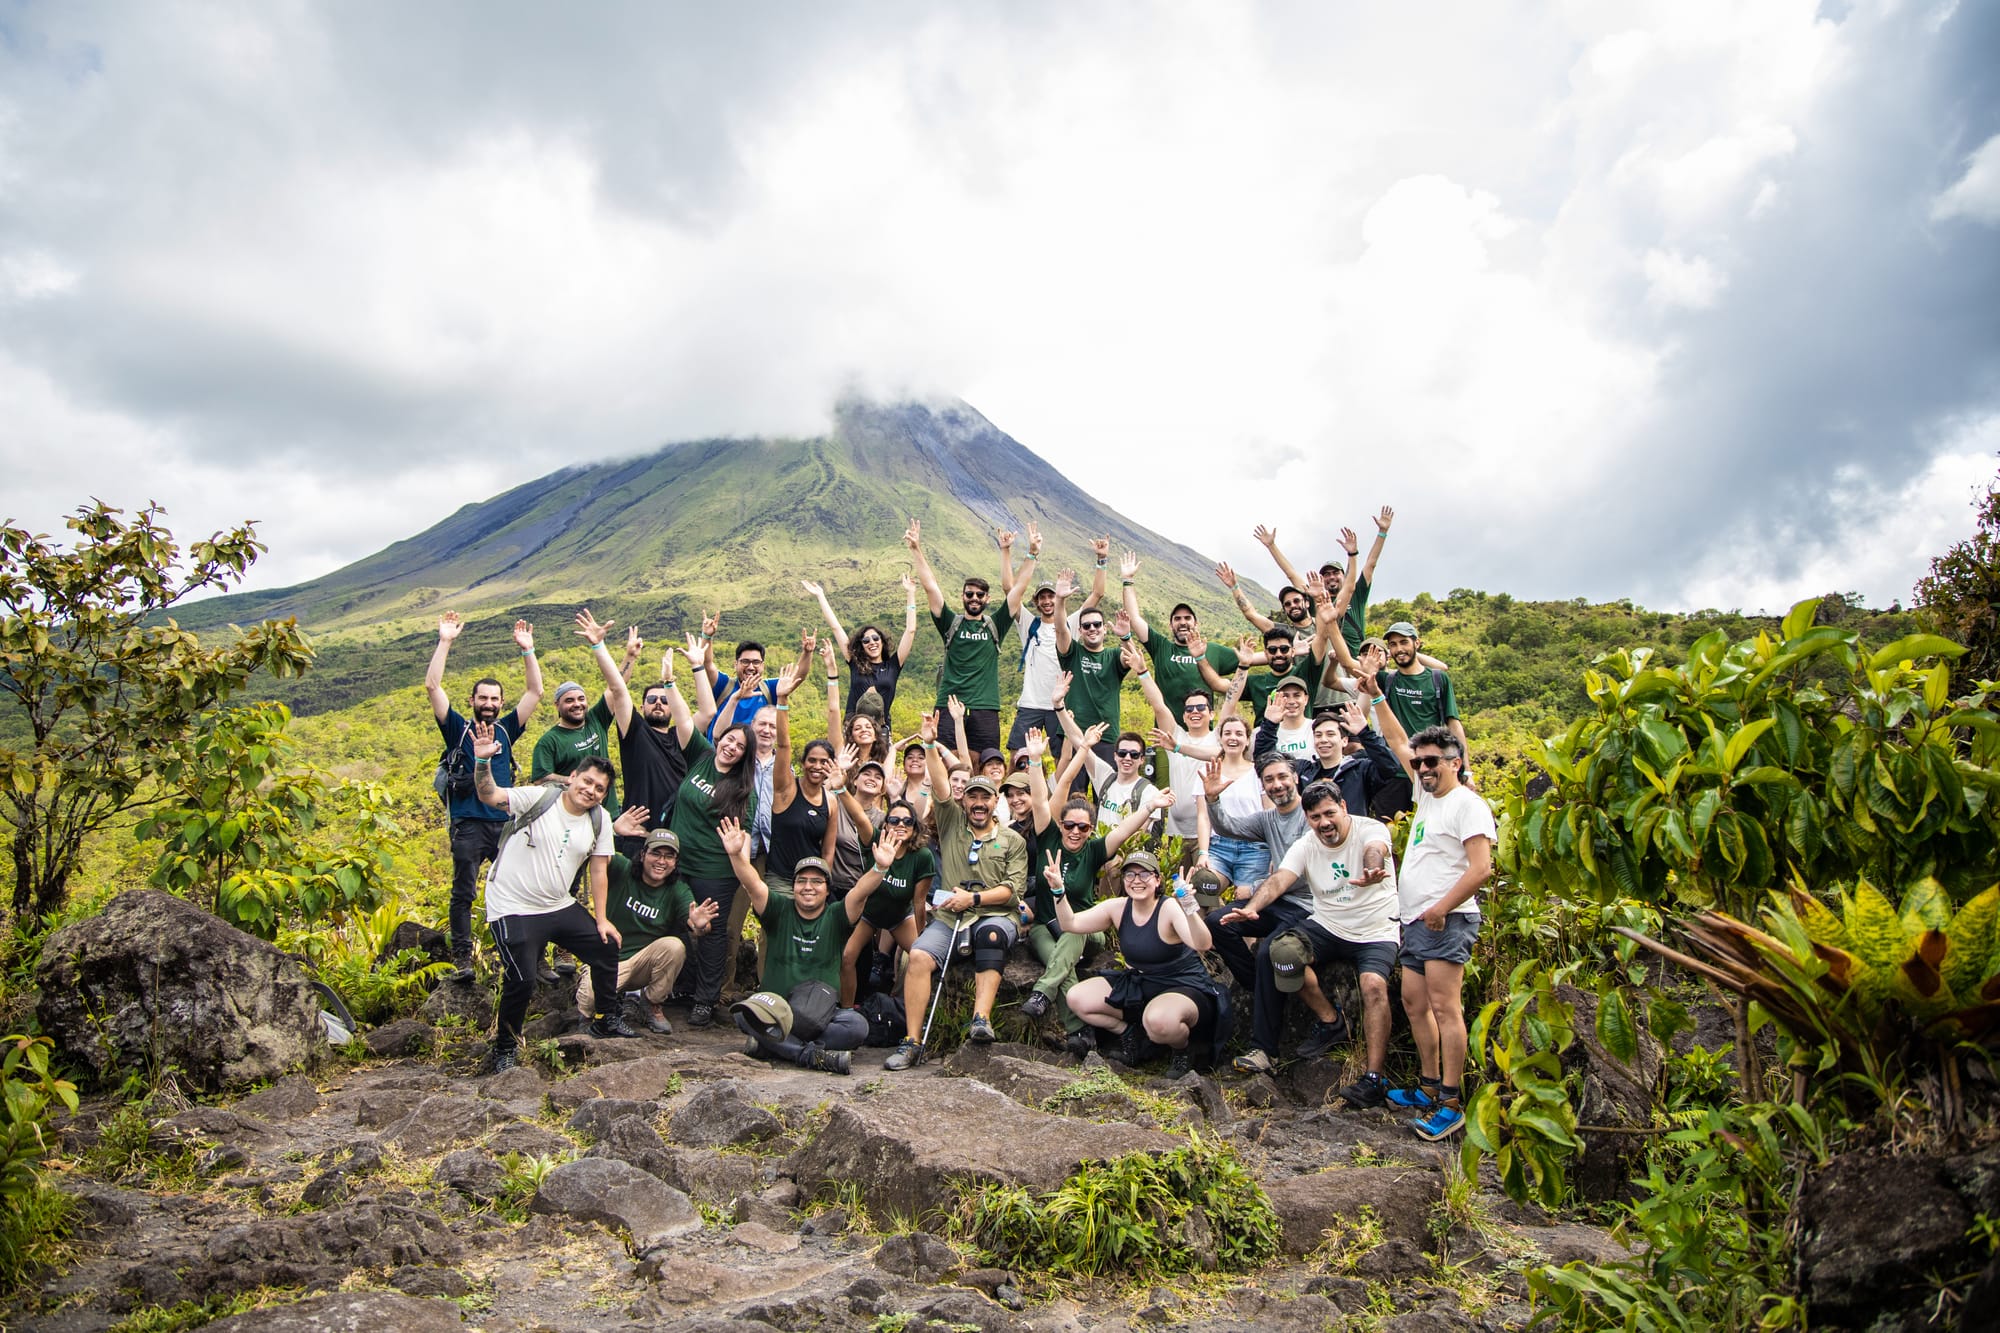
pixel 729 524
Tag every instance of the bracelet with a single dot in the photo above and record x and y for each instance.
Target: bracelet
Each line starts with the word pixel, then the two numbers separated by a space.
pixel 833 791
pixel 601 647
pixel 911 606
pixel 1124 638
pixel 527 652
pixel 1354 555
pixel 1126 582
pixel 1104 564
pixel 781 708
pixel 483 763
pixel 976 896
pixel 1375 701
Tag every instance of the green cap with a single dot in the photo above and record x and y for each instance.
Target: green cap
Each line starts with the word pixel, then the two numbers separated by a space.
pixel 1291 955
pixel 768 1008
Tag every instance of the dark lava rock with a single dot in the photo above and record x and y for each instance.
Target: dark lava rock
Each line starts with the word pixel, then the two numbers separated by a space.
pixel 723 1115
pixel 618 1195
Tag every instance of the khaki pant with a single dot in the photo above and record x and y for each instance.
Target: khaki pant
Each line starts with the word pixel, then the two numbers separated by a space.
pixel 653 970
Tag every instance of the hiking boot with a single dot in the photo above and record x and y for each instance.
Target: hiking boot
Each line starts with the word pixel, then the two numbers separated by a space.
pixel 882 973
pixel 1130 1045
pixel 565 966
pixel 500 1059
pixel 1036 1006
pixel 702 1016
pixel 544 973
pixel 753 1048
pixel 461 962
pixel 815 1056
pixel 1422 1097
pixel 980 1030
pixel 1366 1092
pixel 907 1055
pixel 657 1022
pixel 613 1025
pixel 1324 1037
pixel 1081 1043
pixel 1442 1123
pixel 1183 1062
pixel 1253 1061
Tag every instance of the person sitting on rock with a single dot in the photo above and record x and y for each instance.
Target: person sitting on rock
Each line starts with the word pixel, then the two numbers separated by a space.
pixel 549 835
pixel 893 904
pixel 1165 993
pixel 651 908
pixel 1345 860
pixel 804 938
pixel 982 874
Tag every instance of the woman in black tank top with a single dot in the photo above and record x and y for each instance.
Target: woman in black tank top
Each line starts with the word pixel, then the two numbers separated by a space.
pixel 1165 994
pixel 871 663
pixel 801 823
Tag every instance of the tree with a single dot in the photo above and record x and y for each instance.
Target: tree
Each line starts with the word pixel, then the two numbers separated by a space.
pixel 1961 595
pixel 104 686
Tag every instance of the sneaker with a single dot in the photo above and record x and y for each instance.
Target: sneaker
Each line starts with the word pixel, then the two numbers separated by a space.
pixel 882 972
pixel 818 1057
pixel 1417 1098
pixel 702 1016
pixel 461 966
pixel 1036 1006
pixel 907 1055
pixel 544 973
pixel 1324 1037
pixel 1183 1062
pixel 981 1031
pixel 657 1022
pixel 613 1025
pixel 500 1059
pixel 1081 1044
pixel 1253 1061
pixel 1442 1123
pixel 1366 1092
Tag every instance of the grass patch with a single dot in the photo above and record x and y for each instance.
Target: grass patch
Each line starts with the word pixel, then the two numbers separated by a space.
pixel 1140 1216
pixel 193 1314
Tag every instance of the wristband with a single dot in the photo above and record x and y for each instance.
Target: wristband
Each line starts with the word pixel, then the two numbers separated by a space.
pixel 1124 638
pixel 833 791
pixel 781 708
pixel 910 606
pixel 601 647
pixel 1126 582
pixel 527 652
pixel 1104 564
pixel 483 763
pixel 1376 700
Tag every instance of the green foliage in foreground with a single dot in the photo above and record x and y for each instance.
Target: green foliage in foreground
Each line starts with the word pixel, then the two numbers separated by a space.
pixel 1140 1216
pixel 33 1217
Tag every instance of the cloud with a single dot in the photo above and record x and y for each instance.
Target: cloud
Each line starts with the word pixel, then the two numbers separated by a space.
pixel 1586 292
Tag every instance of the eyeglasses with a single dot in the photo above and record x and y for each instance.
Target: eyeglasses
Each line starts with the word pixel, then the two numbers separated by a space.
pixel 1077 826
pixel 1427 760
pixel 666 852
pixel 1130 754
pixel 652 699
pixel 900 821
pixel 1195 708
pixel 1090 624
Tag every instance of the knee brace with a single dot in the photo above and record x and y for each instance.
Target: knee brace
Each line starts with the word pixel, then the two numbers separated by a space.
pixel 989 946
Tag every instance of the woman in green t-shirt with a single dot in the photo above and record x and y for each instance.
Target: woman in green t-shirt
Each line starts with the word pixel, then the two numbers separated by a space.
pixel 720 784
pixel 897 905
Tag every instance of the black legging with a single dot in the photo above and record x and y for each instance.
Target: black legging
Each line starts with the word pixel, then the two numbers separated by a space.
pixel 521 941
pixel 711 951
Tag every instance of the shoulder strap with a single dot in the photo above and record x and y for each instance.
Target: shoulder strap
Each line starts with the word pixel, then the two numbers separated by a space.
pixel 548 797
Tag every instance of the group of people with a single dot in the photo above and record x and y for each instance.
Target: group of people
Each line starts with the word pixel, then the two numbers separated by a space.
pixel 949 848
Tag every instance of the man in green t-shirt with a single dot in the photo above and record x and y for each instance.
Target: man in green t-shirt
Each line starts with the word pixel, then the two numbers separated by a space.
pixel 582 730
pixel 651 907
pixel 1095 672
pixel 803 940
pixel 1420 696
pixel 972 642
pixel 1174 666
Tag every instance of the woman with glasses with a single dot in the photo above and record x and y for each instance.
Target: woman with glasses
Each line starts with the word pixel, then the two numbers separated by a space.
pixel 870 664
pixel 894 912
pixel 1165 994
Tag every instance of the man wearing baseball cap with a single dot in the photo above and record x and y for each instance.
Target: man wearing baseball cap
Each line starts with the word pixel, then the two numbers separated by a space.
pixel 652 909
pixel 803 941
pixel 982 876
pixel 1041 670
pixel 1284 729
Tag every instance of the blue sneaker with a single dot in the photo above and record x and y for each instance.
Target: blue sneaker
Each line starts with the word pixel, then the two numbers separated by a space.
pixel 1442 1123
pixel 1412 1099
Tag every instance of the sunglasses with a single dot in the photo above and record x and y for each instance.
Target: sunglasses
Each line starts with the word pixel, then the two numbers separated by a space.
pixel 900 821
pixel 1090 624
pixel 652 699
pixel 1131 754
pixel 1076 826
pixel 1427 760
pixel 972 856
pixel 1195 708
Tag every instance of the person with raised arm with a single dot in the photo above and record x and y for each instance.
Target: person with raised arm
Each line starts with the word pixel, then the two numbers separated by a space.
pixel 1042 636
pixel 972 639
pixel 653 738
pixel 548 836
pixel 895 911
pixel 655 915
pixel 1238 860
pixel 872 667
pixel 476 826
pixel 866 730
pixel 982 874
pixel 1189 744
pixel 581 728
pixel 1173 662
pixel 1165 994
pixel 1096 670
pixel 804 936
pixel 1350 875
pixel 1277 829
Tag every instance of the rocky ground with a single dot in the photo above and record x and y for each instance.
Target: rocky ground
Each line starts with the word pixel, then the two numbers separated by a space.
pixel 674 1182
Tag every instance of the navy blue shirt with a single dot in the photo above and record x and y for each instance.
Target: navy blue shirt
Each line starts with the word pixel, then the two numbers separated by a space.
pixel 507 729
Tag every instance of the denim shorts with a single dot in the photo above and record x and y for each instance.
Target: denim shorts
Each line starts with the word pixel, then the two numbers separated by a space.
pixel 1453 944
pixel 1243 861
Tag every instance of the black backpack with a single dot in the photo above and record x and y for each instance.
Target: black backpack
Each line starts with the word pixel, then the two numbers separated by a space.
pixel 452 781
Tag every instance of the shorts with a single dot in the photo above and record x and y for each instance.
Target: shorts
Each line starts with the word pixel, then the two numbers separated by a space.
pixel 936 939
pixel 1453 944
pixel 885 913
pixel 1377 956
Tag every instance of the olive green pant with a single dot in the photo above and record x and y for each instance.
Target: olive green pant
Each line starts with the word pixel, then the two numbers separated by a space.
pixel 1058 951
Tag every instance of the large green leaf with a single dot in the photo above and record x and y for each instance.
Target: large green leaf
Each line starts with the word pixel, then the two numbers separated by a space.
pixel 1969 959
pixel 1740 743
pixel 1926 906
pixel 1912 647
pixel 1875 928
pixel 1614 1027
pixel 1800 618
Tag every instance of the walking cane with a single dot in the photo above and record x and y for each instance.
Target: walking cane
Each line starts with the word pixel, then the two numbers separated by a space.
pixel 937 993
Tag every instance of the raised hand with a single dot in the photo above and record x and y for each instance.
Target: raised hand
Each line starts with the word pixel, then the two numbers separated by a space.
pixel 826 658
pixel 909 585
pixel 449 626
pixel 1034 540
pixel 1158 739
pixel 1247 644
pixel 590 629
pixel 631 822
pixel 890 846
pixel 1349 542
pixel 1315 586
pixel 524 636
pixel 633 643
pixel 927 727
pixel 1121 624
pixel 1163 799
pixel 789 678
pixel 1066 584
pixel 1196 645
pixel 1036 744
pixel 1093 733
pixel 812 589
pixel 1134 660
pixel 1101 547
pixel 1128 565
pixel 957 708
pixel 702 915
pixel 710 623
pixel 1384 519
pixel 1212 785
pixel 806 641
pixel 667 666
pixel 696 646
pixel 1061 691
pixel 1225 574
pixel 735 838
pixel 913 536
pixel 1266 537
pixel 1352 717
pixel 1005 536
pixel 485 745
pixel 849 760
pixel 1052 873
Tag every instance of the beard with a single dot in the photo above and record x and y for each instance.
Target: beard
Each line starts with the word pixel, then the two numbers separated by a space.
pixel 485 712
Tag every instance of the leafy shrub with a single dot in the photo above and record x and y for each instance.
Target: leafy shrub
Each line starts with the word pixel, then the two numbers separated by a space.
pixel 1134 1216
pixel 33 1217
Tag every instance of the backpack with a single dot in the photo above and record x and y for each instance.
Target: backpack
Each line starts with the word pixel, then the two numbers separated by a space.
pixel 813 1006
pixel 884 1013
pixel 551 793
pixel 453 779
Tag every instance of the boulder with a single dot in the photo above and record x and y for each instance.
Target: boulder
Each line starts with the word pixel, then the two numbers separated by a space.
pixel 348 1312
pixel 1872 1229
pixel 723 1115
pixel 633 1141
pixel 467 1000
pixel 444 1121
pixel 906 1146
pixel 1571 1242
pixel 1029 1082
pixel 520 1089
pixel 528 1140
pixel 920 1257
pixel 470 1172
pixel 644 1079
pixel 435 945
pixel 1610 1092
pixel 153 981
pixel 1400 1198
pixel 594 1117
pixel 713 1177
pixel 290 1098
pixel 318 1249
pixel 405 1036
pixel 618 1195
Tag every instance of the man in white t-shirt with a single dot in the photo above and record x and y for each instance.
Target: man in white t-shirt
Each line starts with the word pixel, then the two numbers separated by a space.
pixel 1448 858
pixel 1285 729
pixel 1040 669
pixel 529 900
pixel 1345 860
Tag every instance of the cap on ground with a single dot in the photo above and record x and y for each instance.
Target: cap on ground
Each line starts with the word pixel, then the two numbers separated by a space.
pixel 1291 954
pixel 768 1008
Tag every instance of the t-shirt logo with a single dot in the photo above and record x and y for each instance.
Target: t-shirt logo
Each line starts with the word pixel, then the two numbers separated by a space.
pixel 1416 833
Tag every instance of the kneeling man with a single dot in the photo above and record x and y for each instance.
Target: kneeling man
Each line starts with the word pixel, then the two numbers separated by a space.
pixel 650 905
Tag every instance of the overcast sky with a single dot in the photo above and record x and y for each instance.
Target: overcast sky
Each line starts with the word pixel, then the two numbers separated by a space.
pixel 1696 303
